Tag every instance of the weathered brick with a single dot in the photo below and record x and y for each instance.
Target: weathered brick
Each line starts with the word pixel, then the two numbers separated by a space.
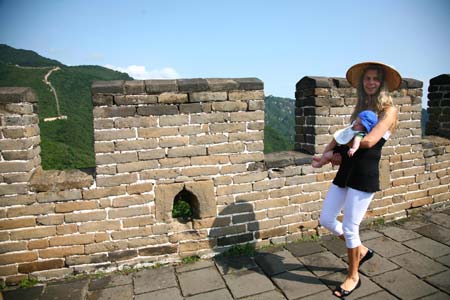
pixel 245 158
pixel 128 212
pixel 159 250
pixel 59 196
pixel 85 216
pixel 114 111
pixel 135 145
pixel 177 120
pixel 112 135
pixel 271 203
pixel 173 98
pixel 18 257
pixel 73 239
pixel 38 244
pixel 61 251
pixel 234 189
pixel 104 192
pixel 17 223
pixel 86 259
pixel 130 233
pixel 105 246
pixel 226 148
pixel 136 166
pixel 136 121
pixel 17 200
pixel 108 181
pixel 229 106
pixel 13 246
pixel 99 226
pixel 246 95
pixel 138 221
pixel 104 159
pixel 41 265
pixel 8 270
pixel 50 220
pixel 157 132
pixel 264 234
pixel 279 212
pixel 75 205
pixel 129 200
pixel 207 96
pixel 33 233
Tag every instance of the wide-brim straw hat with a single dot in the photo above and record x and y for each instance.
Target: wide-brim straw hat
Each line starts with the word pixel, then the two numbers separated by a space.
pixel 392 77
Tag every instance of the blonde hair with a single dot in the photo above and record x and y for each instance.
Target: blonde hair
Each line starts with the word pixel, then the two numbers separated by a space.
pixel 381 101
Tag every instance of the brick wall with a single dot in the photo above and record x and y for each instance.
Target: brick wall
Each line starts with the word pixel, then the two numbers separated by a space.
pixel 156 138
pixel 439 106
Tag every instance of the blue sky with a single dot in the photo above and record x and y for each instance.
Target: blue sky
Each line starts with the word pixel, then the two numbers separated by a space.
pixel 276 41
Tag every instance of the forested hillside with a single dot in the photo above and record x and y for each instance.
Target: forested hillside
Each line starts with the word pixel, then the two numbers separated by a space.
pixel 279 130
pixel 65 144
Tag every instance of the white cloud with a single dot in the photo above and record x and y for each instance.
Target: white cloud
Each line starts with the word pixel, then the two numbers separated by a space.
pixel 140 72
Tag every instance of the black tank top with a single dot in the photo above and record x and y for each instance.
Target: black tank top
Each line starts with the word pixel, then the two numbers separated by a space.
pixel 360 172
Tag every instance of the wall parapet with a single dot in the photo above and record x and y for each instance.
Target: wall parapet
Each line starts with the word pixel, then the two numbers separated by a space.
pixel 439 106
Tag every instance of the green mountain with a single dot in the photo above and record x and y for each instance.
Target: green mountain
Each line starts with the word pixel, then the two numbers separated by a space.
pixel 65 144
pixel 279 130
pixel 424 120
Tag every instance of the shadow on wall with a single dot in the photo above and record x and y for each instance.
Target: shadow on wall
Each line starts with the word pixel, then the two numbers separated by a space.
pixel 234 235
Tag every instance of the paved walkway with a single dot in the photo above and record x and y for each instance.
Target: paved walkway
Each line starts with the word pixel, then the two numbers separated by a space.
pixel 412 261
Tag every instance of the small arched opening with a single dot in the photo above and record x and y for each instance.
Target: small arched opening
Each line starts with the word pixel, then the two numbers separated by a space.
pixel 185 207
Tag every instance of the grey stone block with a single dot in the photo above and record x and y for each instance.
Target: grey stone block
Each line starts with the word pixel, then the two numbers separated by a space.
pixel 200 281
pixel 377 265
pixel 404 285
pixel 156 279
pixel 192 85
pixel 195 266
pixel 323 263
pixel 249 83
pixel 107 87
pixel 445 260
pixel 248 283
pixel 367 287
pixel 234 264
pixel 441 281
pixel 118 292
pixel 366 235
pixel 158 86
pixel 435 232
pixel 75 290
pixel 278 262
pixel 298 283
pixel 17 94
pixel 32 293
pixel 222 84
pixel 272 295
pixel 337 246
pixel 308 82
pixel 166 294
pixel 399 234
pixel 133 87
pixel 436 296
pixel 304 248
pixel 418 264
pixel 386 247
pixel 222 294
pixel 441 219
pixel 380 295
pixel 110 281
pixel 157 110
pixel 428 247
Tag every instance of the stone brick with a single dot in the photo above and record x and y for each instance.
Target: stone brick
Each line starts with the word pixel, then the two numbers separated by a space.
pixel 17 200
pixel 61 251
pixel 13 189
pixel 152 154
pixel 41 265
pixel 13 246
pixel 138 221
pixel 207 96
pixel 12 166
pixel 168 142
pixel 50 220
pixel 234 189
pixel 103 159
pixel 157 110
pixel 115 134
pixel 131 233
pixel 246 95
pixel 74 239
pixel 271 203
pixel 226 148
pixel 229 106
pixel 33 233
pixel 199 171
pixel 159 250
pixel 75 205
pixel 103 192
pixel 114 111
pixel 245 158
pixel 85 216
pixel 59 196
pixel 128 212
pixel 264 234
pixel 158 86
pixel 108 181
pixel 279 212
pixel 173 98
pixel 18 257
pixel 17 223
pixel 215 117
pixel 86 259
pixel 38 244
pixel 187 151
pixel 136 166
pixel 156 132
pixel 122 255
pixel 8 270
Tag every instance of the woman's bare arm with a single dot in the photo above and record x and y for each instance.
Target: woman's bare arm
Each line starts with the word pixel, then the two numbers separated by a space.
pixel 387 119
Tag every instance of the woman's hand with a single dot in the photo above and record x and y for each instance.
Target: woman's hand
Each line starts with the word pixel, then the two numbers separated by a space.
pixel 336 159
pixel 386 120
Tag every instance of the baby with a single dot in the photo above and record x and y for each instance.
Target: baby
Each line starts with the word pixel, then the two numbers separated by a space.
pixel 363 124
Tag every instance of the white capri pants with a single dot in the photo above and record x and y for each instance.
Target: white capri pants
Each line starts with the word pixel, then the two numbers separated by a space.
pixel 354 203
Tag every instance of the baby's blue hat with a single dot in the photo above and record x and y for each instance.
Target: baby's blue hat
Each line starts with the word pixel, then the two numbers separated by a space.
pixel 368 119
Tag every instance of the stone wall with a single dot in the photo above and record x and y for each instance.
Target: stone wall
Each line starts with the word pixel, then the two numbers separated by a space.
pixel 439 106
pixel 204 138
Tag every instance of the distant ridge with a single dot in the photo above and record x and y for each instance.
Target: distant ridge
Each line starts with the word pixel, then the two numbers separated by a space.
pixel 26 58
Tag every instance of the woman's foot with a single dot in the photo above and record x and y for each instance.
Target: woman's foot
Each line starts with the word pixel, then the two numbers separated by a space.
pixel 365 256
pixel 347 287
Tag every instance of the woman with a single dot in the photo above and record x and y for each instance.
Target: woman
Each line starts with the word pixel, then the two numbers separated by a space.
pixel 357 179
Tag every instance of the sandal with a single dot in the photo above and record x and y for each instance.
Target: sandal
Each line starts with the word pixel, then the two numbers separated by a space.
pixel 366 257
pixel 345 293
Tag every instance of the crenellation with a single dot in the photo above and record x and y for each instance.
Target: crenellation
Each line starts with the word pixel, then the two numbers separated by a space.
pixel 155 138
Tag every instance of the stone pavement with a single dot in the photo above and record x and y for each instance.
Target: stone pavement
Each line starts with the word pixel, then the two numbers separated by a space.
pixel 412 261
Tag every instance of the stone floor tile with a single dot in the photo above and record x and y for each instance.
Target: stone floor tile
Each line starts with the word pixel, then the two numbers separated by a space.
pixel 118 292
pixel 200 281
pixel 383 295
pixel 445 260
pixel 298 283
pixel 418 264
pixel 435 232
pixel 222 294
pixel 110 281
pixel 399 234
pixel 278 262
pixel 377 265
pixel 367 287
pixel 429 247
pixel 412 223
pixel 272 295
pixel 335 245
pixel 441 281
pixel 386 247
pixel 323 263
pixel 304 248
pixel 233 264
pixel 201 264
pixel 248 283
pixel 369 234
pixel 403 284
pixel 166 294
pixel 31 293
pixel 153 280
pixel 327 294
pixel 436 296
pixel 441 219
pixel 72 290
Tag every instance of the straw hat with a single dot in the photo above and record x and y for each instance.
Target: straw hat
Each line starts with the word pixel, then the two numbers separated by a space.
pixel 392 77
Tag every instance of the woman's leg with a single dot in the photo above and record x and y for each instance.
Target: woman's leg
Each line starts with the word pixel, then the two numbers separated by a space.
pixel 356 204
pixel 332 205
